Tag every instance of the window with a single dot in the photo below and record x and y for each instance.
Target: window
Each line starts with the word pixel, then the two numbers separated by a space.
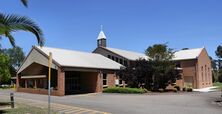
pixel 202 73
pixel 22 83
pixel 42 83
pixel 120 61
pixel 109 56
pixel 209 75
pixel 120 79
pixel 117 59
pixel 112 57
pixel 30 83
pixel 104 79
pixel 125 63
pixel 205 70
pixel 178 64
pixel 100 42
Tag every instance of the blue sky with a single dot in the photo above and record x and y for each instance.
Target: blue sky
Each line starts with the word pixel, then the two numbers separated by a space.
pixel 128 24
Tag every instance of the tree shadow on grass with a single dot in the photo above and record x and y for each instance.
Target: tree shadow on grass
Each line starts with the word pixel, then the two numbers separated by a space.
pixel 4 103
pixel 3 112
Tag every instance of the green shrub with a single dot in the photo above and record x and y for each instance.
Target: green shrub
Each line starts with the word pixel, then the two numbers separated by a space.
pixel 124 90
pixel 174 89
pixel 177 87
pixel 190 89
pixel 5 86
pixel 162 90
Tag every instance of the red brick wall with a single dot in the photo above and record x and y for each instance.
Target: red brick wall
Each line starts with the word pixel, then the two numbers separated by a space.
pixel 189 71
pixel 61 82
pixel 37 91
pixel 111 80
pixel 206 80
pixel 99 83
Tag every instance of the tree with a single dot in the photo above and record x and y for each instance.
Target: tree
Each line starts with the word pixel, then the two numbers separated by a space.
pixel 16 56
pixel 138 74
pixel 9 24
pixel 25 2
pixel 220 75
pixel 157 72
pixel 164 72
pixel 215 70
pixel 4 69
pixel 219 52
pixel 13 23
pixel 159 52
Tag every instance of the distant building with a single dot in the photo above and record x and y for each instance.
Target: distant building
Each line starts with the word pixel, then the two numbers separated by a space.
pixel 196 67
pixel 81 72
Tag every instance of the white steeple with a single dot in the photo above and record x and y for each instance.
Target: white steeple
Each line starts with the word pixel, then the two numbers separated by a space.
pixel 101 34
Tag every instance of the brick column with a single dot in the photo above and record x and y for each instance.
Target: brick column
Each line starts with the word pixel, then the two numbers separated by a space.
pixel 26 85
pixel 17 81
pixel 99 82
pixel 35 84
pixel 111 80
pixel 60 82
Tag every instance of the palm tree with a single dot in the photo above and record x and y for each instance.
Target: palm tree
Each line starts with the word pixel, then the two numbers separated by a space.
pixel 13 23
pixel 25 2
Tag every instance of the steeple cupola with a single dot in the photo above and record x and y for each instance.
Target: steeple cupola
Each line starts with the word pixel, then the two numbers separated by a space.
pixel 101 40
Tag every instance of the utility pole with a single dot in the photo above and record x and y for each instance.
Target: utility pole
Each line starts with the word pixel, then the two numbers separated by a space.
pixel 49 80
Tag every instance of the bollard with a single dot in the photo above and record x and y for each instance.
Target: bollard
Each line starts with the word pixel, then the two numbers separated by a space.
pixel 12 100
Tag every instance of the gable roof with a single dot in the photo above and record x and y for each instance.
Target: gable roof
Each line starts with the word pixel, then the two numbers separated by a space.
pixel 70 58
pixel 187 54
pixel 130 55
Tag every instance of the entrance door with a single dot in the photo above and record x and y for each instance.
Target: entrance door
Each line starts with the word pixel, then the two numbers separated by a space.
pixel 72 83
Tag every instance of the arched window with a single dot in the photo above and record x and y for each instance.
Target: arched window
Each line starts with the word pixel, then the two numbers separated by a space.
pixel 202 74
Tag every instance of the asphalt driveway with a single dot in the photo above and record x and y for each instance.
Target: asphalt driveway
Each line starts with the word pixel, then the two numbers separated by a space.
pixel 182 103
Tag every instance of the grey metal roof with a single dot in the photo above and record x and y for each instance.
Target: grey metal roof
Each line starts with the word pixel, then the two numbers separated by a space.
pixel 187 54
pixel 179 55
pixel 71 58
pixel 127 54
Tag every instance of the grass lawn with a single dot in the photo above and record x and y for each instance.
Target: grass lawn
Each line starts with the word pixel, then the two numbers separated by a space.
pixel 24 109
pixel 218 84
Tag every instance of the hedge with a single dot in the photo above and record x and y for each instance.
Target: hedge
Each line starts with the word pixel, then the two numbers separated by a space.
pixel 124 90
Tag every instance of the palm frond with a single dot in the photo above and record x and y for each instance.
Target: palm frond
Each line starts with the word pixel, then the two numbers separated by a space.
pixel 12 23
pixel 25 2
pixel 11 39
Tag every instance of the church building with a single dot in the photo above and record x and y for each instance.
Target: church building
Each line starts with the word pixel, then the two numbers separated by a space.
pixel 82 72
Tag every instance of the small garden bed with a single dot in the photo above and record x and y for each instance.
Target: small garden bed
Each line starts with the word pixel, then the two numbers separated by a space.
pixel 124 90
